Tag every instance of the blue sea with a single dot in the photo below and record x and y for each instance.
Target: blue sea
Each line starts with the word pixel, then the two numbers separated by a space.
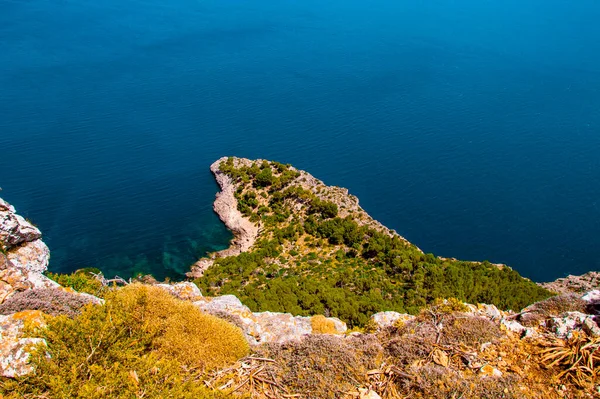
pixel 471 127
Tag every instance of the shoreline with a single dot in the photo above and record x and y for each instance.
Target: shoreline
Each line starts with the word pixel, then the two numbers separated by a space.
pixel 244 231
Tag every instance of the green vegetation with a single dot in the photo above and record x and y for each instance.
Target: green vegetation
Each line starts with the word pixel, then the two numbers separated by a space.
pixel 82 280
pixel 142 343
pixel 312 258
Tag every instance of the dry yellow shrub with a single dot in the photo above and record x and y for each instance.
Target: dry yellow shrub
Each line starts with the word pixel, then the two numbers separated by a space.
pixel 321 325
pixel 181 330
pixel 141 343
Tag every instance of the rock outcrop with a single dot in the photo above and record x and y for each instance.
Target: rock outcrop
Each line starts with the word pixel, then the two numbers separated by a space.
pixel 24 257
pixel 186 290
pixel 574 284
pixel 264 327
pixel 14 348
pixel 389 318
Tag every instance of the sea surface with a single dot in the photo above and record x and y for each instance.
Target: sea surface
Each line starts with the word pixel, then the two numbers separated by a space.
pixel 472 127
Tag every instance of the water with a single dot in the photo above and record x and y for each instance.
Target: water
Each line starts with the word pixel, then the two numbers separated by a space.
pixel 471 127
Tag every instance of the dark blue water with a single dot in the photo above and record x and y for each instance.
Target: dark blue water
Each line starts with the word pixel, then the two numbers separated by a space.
pixel 471 127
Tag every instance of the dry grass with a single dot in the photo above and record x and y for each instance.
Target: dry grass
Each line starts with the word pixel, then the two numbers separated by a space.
pixel 317 367
pixel 578 358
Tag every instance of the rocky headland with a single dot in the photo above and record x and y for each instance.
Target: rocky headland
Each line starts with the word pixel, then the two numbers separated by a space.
pixel 295 228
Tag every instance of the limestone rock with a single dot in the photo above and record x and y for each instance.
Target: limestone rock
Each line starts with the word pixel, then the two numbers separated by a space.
pixel 262 327
pixel 592 296
pixel 26 257
pixel 564 325
pixel 15 350
pixel 186 291
pixel 516 327
pixel 387 319
pixel 33 256
pixel 14 279
pixel 14 229
pixel 489 311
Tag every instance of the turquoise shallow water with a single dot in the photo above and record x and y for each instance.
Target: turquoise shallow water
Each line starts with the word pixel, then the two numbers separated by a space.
pixel 471 127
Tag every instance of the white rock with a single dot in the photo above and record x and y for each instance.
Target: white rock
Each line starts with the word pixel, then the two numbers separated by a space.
pixel 14 229
pixel 33 256
pixel 387 319
pixel 592 296
pixel 14 349
pixel 263 327
pixel 490 311
pixel 185 290
pixel 517 328
pixel 564 325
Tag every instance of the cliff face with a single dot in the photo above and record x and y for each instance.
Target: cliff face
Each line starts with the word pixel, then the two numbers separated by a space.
pixel 23 259
pixel 24 256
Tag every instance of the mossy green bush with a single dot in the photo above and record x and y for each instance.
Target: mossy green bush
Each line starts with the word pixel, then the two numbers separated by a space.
pixel 141 343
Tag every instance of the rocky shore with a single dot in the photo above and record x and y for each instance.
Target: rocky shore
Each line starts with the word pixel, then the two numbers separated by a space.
pixel 244 231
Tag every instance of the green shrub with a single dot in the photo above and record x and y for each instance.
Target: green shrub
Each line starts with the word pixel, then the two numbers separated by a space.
pixel 82 280
pixel 141 343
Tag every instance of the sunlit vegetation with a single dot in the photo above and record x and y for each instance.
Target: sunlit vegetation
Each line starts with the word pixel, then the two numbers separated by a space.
pixel 142 343
pixel 82 280
pixel 310 260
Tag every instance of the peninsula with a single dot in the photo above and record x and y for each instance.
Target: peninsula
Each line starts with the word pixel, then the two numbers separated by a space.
pixel 303 247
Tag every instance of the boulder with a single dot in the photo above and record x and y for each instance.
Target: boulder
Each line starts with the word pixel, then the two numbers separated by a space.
pixel 263 327
pixel 15 279
pixel 32 256
pixel 592 296
pixel 186 291
pixel 25 257
pixel 516 327
pixel 14 229
pixel 564 325
pixel 14 349
pixel 489 311
pixel 389 318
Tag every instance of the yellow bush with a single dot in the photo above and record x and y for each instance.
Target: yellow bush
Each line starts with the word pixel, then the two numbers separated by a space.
pixel 180 330
pixel 141 343
pixel 321 325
